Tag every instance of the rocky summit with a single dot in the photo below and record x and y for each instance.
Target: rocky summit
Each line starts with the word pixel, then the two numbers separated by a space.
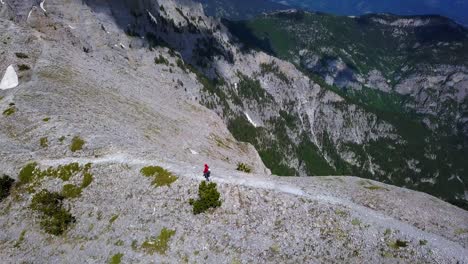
pixel 109 109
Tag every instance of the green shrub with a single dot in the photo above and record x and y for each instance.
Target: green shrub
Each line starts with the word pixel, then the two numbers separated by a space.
pixel 116 259
pixel 44 142
pixel 244 167
pixel 399 244
pixel 113 218
pixel 21 55
pixel 5 186
pixel 9 111
pixel 208 197
pixel 23 67
pixel 161 60
pixel 71 191
pixel 55 219
pixel 46 119
pixel 161 176
pixel 158 244
pixel 77 144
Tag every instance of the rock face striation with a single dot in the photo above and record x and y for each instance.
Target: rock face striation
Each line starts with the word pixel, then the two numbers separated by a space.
pixel 107 88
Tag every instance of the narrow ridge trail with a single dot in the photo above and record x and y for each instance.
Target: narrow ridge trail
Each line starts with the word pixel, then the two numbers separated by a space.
pixel 441 244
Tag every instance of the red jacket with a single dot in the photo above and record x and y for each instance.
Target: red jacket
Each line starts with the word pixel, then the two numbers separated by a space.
pixel 206 168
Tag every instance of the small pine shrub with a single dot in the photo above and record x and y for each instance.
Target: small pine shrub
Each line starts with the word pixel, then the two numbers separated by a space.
pixel 158 244
pixel 46 119
pixel 161 60
pixel 161 176
pixel 244 167
pixel 77 144
pixel 21 55
pixel 5 186
pixel 55 219
pixel 208 197
pixel 44 142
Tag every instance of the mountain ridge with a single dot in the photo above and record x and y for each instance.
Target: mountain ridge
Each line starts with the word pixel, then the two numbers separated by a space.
pixel 122 85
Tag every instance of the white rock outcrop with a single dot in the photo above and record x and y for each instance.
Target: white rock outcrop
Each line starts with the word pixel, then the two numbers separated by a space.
pixel 10 79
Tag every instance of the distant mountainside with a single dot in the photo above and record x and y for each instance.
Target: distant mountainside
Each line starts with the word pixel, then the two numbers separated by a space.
pixel 240 9
pixel 409 71
pixel 455 9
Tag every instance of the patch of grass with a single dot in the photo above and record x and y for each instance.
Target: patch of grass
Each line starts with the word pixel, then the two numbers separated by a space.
pixel 134 245
pixel 119 243
pixel 44 142
pixel 87 179
pixel 5 186
pixel 356 221
pixel 71 191
pixel 64 172
pixel 244 167
pixel 341 213
pixel 116 259
pixel 27 173
pixel 387 232
pixel 461 231
pixel 113 218
pixel 32 174
pixel 208 197
pixel 375 188
pixel 77 144
pixel 9 111
pixel 20 239
pixel 55 219
pixel 161 176
pixel 158 244
pixel 398 244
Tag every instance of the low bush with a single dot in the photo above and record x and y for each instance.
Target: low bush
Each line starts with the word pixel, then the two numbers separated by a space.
pixel 55 219
pixel 44 142
pixel 5 186
pixel 77 144
pixel 9 111
pixel 208 197
pixel 244 167
pixel 161 176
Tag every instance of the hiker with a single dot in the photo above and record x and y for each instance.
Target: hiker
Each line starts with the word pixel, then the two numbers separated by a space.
pixel 206 172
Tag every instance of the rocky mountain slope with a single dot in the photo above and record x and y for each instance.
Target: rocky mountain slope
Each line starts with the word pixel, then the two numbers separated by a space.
pixel 109 87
